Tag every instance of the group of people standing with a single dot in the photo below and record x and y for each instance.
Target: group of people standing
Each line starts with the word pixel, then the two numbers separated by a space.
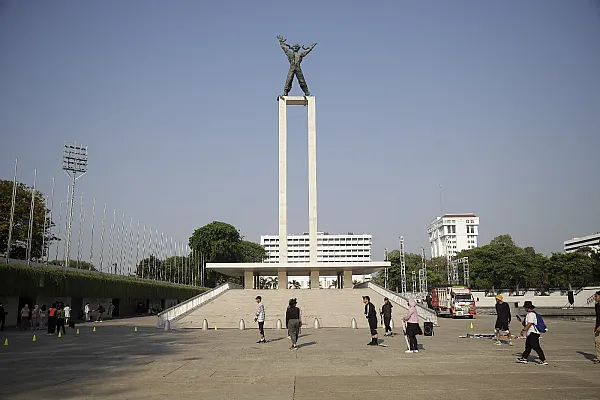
pixel 412 329
pixel 53 318
pixel 293 321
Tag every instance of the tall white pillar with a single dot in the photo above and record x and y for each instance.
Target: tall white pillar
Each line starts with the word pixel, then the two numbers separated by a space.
pixel 283 248
pixel 309 101
pixel 312 181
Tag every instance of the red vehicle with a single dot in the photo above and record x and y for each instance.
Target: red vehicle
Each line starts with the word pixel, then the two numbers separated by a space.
pixel 455 301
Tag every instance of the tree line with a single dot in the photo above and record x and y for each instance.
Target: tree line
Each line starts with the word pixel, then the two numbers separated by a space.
pixel 503 264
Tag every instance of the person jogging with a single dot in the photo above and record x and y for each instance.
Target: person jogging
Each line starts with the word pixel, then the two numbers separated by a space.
pixel 597 328
pixel 530 329
pixel 260 318
pixel 503 318
pixel 293 322
pixel 386 315
pixel 371 315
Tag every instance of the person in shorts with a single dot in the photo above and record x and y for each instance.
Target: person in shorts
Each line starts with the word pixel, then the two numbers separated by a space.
pixel 260 318
pixel 503 318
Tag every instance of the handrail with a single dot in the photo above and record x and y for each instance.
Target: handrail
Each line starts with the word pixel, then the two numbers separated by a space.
pixel 425 313
pixel 191 304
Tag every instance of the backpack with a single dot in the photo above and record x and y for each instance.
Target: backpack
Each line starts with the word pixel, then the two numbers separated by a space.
pixel 541 325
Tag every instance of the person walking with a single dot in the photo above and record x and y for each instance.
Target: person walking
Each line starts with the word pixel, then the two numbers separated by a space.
pixel 530 329
pixel 25 317
pixel 67 310
pixel 371 315
pixel 412 326
pixel 293 322
pixel 503 318
pixel 2 316
pixel 260 318
pixel 51 319
pixel 86 311
pixel 386 315
pixel 597 328
pixel 60 319
pixel 111 309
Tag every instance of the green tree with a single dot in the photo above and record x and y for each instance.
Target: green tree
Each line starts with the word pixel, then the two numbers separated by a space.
pixel 252 252
pixel 41 239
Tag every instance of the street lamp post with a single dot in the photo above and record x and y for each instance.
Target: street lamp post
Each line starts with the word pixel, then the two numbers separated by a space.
pixel 75 164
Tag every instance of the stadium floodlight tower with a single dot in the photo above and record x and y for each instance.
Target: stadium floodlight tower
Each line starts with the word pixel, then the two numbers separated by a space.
pixel 75 165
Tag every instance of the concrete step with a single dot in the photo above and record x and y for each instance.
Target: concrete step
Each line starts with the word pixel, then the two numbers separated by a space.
pixel 334 308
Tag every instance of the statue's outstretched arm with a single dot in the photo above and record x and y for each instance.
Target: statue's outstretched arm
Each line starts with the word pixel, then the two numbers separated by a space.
pixel 284 46
pixel 307 49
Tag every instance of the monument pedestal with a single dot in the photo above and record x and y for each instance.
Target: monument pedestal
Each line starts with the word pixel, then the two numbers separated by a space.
pixel 309 102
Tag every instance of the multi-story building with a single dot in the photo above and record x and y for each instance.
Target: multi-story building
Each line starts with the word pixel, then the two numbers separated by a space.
pixel 331 248
pixel 592 241
pixel 453 233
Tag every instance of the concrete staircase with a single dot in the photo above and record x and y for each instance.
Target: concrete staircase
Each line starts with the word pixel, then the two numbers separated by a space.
pixel 334 308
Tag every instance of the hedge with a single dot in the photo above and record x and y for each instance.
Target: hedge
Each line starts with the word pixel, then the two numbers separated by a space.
pixel 23 281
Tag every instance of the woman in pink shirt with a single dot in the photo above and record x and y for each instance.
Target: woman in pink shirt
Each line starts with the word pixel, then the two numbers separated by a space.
pixel 412 326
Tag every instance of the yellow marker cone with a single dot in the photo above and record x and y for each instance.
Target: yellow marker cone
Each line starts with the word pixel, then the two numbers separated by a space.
pixel 34 339
pixel 471 325
pixel 94 329
pixel 59 335
pixel 135 329
pixel 77 332
pixel 6 342
pixel 215 327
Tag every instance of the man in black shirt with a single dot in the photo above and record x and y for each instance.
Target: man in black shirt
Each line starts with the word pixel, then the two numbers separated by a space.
pixel 371 315
pixel 502 320
pixel 597 328
pixel 386 314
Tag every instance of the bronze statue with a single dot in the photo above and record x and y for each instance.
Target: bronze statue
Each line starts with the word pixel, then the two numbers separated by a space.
pixel 295 57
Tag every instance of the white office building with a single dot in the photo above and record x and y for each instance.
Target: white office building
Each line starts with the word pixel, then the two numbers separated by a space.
pixel 592 241
pixel 331 248
pixel 453 233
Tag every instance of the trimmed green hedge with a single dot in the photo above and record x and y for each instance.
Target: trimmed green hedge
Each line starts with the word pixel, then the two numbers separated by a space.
pixel 17 280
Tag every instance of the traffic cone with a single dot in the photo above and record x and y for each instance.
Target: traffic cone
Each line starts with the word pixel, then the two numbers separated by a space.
pixel 135 329
pixel 471 325
pixel 34 339
pixel 215 327
pixel 77 332
pixel 6 342
pixel 59 335
pixel 94 329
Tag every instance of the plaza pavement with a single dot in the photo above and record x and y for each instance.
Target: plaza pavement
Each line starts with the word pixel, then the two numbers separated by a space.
pixel 334 363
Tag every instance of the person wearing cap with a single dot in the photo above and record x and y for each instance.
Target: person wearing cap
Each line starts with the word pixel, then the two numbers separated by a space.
pixel 371 315
pixel 386 315
pixel 503 318
pixel 293 322
pixel 260 318
pixel 533 335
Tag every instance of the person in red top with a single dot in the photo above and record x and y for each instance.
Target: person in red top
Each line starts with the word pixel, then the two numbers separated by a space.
pixel 51 319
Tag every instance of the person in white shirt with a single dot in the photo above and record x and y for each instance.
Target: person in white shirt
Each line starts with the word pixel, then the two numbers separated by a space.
pixel 533 335
pixel 86 310
pixel 67 311
pixel 260 318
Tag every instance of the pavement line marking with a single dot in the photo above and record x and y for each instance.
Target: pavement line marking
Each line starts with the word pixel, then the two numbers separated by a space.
pixel 66 380
pixel 164 376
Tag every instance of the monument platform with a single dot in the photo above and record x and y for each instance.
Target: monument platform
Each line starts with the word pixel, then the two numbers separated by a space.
pixel 343 270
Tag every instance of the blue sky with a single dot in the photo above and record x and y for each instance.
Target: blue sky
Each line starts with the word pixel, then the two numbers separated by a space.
pixel 498 102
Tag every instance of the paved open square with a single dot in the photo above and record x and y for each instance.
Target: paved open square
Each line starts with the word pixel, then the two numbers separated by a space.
pixel 334 363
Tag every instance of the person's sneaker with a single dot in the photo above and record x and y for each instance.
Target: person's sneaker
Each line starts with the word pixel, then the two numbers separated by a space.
pixel 291 347
pixel 510 344
pixel 296 346
pixel 415 351
pixel 522 360
pixel 409 351
pixel 542 362
pixel 371 344
pixel 498 343
pixel 261 341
